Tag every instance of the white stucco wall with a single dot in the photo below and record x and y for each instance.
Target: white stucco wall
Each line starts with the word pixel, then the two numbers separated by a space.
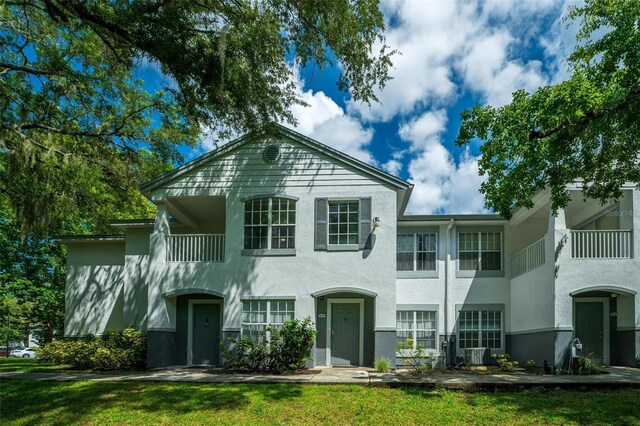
pixel 577 274
pixel 94 289
pixel 303 173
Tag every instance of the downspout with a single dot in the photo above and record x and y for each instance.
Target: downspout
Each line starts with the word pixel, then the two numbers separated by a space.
pixel 446 292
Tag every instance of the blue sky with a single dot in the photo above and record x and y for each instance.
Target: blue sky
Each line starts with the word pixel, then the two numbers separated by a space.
pixel 453 55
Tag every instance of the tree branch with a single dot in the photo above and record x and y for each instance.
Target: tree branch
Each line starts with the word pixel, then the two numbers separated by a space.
pixel 588 117
pixel 20 68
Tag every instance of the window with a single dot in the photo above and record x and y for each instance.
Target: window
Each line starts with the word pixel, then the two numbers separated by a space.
pixel 420 326
pixel 269 223
pixel 480 329
pixel 480 251
pixel 257 314
pixel 416 252
pixel 343 222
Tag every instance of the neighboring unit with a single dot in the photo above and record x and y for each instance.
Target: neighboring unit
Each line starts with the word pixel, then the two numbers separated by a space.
pixel 275 226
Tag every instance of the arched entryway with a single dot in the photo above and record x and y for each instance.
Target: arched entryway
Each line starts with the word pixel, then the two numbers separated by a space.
pixel 604 321
pixel 199 316
pixel 345 326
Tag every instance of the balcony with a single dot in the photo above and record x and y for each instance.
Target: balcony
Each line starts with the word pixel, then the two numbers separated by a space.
pixel 601 244
pixel 195 248
pixel 528 259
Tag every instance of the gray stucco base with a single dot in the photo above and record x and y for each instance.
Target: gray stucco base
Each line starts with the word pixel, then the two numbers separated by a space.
pixel 385 346
pixel 554 346
pixel 161 348
pixel 627 347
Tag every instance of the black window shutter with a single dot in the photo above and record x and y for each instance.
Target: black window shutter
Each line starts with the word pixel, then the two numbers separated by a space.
pixel 321 224
pixel 365 221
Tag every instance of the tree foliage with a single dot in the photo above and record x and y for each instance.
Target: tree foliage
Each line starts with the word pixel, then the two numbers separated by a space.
pixel 71 96
pixel 585 129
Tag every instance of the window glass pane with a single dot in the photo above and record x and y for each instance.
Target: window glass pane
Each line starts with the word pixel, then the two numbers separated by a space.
pixel 491 261
pixel 468 261
pixel 405 242
pixel 404 261
pixel 343 222
pixel 426 262
pixel 256 222
pixel 491 251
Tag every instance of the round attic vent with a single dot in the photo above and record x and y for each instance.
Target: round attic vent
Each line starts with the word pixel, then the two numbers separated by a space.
pixel 271 153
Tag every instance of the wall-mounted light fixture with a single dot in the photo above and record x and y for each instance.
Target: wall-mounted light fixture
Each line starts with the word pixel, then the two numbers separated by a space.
pixel 376 222
pixel 206 322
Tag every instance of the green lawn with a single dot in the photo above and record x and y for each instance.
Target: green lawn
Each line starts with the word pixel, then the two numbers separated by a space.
pixel 29 365
pixel 25 402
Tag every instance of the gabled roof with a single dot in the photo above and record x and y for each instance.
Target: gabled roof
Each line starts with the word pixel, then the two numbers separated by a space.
pixel 271 129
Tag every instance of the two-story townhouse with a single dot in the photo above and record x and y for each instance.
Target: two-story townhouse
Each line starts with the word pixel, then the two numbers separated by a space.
pixel 276 226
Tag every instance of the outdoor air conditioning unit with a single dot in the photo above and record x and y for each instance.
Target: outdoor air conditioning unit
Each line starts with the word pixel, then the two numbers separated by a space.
pixel 477 356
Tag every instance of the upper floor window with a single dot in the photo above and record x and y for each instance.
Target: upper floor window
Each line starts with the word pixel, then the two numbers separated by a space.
pixel 343 222
pixel 480 251
pixel 416 252
pixel 480 329
pixel 342 225
pixel 269 223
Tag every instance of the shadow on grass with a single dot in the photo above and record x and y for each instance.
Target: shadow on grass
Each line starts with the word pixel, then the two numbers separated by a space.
pixel 558 406
pixel 29 365
pixel 75 402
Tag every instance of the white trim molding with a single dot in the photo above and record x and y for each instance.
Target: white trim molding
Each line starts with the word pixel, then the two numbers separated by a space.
pixel 331 290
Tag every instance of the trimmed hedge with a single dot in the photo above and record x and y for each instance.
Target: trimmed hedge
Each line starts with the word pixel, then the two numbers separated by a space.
pixel 113 350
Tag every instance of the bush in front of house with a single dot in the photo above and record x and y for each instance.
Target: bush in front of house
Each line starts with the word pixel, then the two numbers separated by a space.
pixel 114 350
pixel 288 349
pixel 505 363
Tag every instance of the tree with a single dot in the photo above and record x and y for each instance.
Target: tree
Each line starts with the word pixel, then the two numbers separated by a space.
pixel 585 129
pixel 32 265
pixel 69 95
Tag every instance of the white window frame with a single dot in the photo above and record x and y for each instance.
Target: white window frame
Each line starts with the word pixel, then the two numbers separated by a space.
pixel 414 329
pixel 479 251
pixel 270 223
pixel 355 245
pixel 267 334
pixel 481 329
pixel 415 252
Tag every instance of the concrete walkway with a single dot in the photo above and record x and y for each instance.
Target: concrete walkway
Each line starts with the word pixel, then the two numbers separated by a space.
pixel 616 377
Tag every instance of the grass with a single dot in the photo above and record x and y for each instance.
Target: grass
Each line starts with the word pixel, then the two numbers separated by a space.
pixel 23 402
pixel 29 365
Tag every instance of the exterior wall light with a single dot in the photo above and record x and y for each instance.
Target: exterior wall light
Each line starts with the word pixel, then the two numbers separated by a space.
pixel 376 222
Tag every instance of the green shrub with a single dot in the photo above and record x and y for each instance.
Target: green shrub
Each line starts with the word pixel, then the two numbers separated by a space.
pixel 288 349
pixel 504 362
pixel 114 350
pixel 382 365
pixel 416 359
pixel 588 365
pixel 290 345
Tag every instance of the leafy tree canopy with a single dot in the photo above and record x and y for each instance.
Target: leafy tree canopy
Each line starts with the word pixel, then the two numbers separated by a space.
pixel 585 129
pixel 70 99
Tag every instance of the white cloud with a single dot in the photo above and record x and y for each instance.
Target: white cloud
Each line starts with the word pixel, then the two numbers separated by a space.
pixel 438 40
pixel 327 122
pixel 423 128
pixel 441 185
pixel 393 167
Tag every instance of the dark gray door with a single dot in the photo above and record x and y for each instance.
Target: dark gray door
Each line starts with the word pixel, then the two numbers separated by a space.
pixel 589 328
pixel 345 333
pixel 206 334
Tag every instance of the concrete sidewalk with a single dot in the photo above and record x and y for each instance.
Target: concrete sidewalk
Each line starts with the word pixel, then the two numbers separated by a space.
pixel 616 377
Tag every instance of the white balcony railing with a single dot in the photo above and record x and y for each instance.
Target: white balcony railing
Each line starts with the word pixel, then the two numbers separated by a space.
pixel 609 244
pixel 195 248
pixel 528 258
